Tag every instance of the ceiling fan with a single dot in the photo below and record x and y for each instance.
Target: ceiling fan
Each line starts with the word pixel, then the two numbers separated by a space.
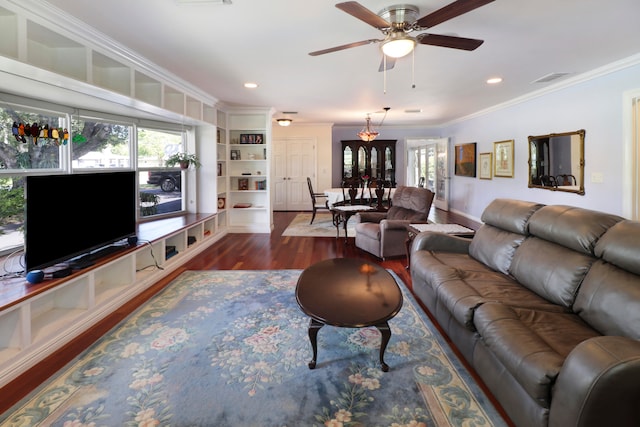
pixel 397 22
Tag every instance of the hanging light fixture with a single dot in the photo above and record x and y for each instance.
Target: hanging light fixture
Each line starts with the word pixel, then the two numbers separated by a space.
pixel 367 134
pixel 398 44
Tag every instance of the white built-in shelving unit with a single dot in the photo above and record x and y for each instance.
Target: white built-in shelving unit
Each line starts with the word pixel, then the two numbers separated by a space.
pixel 33 41
pixel 52 57
pixel 248 170
pixel 51 313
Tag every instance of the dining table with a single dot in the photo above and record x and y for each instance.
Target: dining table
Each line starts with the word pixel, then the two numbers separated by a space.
pixel 342 209
pixel 335 195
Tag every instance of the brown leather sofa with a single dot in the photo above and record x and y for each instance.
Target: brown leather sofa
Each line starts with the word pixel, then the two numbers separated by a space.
pixel 384 234
pixel 544 304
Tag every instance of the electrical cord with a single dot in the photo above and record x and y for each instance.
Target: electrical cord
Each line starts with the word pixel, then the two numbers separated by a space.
pixel 155 261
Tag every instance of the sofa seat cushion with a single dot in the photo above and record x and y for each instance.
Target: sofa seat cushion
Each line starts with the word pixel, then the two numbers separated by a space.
pixel 531 344
pixel 462 283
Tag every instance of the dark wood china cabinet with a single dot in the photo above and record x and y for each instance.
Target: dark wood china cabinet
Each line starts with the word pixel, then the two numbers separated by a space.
pixel 375 159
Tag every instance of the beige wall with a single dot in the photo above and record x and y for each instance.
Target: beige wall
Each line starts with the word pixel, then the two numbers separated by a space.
pixel 322 134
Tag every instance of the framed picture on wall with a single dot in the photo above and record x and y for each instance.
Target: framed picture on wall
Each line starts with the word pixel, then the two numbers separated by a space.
pixel 485 161
pixel 503 155
pixel 465 160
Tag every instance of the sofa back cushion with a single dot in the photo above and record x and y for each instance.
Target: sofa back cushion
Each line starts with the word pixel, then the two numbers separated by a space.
pixel 504 229
pixel 574 228
pixel 556 258
pixel 411 203
pixel 609 298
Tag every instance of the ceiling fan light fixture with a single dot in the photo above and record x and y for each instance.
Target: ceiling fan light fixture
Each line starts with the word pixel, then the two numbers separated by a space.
pixel 367 134
pixel 284 122
pixel 398 45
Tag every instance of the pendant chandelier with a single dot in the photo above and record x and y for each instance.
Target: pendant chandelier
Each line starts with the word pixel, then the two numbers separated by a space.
pixel 367 134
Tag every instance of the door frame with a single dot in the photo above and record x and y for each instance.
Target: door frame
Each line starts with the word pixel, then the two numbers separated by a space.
pixel 631 154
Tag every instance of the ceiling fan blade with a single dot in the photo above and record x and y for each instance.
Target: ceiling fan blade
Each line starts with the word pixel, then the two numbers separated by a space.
pixel 449 41
pixel 343 47
pixel 391 62
pixel 356 10
pixel 450 11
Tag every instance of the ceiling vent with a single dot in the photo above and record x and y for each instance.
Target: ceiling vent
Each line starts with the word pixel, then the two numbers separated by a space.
pixel 203 1
pixel 550 77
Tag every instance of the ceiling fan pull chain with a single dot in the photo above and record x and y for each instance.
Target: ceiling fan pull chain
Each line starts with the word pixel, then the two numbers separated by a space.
pixel 384 74
pixel 413 70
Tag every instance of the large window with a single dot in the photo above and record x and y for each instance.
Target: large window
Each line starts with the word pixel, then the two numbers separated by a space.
pixel 100 144
pixel 161 189
pixel 31 139
pixel 41 139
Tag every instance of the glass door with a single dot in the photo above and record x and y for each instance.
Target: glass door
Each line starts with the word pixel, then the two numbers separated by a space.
pixel 427 166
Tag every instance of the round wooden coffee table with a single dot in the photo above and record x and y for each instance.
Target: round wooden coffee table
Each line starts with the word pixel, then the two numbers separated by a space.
pixel 348 293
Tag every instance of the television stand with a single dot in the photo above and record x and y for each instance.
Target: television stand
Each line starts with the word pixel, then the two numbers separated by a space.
pixel 89 259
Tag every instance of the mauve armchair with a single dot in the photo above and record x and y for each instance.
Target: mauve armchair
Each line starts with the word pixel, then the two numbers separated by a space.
pixel 384 234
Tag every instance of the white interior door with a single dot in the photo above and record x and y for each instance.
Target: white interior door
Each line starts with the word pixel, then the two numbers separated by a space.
pixel 293 161
pixel 427 158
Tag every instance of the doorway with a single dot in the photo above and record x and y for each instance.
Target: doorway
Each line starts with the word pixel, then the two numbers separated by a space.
pixel 293 160
pixel 427 166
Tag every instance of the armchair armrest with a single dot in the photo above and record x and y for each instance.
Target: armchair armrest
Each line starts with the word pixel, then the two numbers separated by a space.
pixel 440 242
pixel 370 216
pixel 394 224
pixel 598 384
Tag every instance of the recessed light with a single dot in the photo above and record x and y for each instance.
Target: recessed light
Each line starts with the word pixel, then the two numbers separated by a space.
pixel 250 85
pixel 494 80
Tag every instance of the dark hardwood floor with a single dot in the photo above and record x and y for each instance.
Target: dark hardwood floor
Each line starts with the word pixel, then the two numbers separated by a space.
pixel 232 252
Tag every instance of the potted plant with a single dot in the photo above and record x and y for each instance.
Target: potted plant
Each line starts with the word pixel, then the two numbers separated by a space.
pixel 183 159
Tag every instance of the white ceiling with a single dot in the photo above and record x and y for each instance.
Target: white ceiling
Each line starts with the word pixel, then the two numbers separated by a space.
pixel 218 47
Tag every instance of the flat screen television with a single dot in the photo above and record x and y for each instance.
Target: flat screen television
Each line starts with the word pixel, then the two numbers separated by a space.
pixel 71 215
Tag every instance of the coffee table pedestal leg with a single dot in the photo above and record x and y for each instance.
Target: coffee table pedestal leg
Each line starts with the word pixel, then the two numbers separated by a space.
pixel 314 327
pixel 386 336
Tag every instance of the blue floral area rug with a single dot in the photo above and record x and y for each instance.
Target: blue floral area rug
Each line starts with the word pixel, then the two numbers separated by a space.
pixel 231 348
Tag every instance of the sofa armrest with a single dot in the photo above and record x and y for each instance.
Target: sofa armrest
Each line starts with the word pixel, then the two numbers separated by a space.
pixel 394 224
pixel 440 242
pixel 370 216
pixel 598 384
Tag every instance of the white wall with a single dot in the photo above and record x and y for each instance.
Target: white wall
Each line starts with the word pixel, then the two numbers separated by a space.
pixel 595 105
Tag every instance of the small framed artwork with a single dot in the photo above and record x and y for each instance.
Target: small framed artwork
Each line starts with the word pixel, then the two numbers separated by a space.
pixel 465 161
pixel 235 154
pixel 243 184
pixel 503 158
pixel 251 138
pixel 486 165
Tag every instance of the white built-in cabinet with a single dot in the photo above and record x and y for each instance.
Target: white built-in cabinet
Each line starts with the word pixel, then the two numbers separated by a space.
pixel 34 41
pixel 247 167
pixel 42 322
pixel 47 56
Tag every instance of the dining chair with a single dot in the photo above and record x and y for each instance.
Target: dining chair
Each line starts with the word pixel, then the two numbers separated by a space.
pixel 353 191
pixel 318 200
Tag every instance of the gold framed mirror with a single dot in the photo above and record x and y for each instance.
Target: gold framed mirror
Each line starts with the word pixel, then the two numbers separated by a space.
pixel 556 162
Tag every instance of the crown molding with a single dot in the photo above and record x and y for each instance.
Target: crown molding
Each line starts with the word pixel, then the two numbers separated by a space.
pixel 622 64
